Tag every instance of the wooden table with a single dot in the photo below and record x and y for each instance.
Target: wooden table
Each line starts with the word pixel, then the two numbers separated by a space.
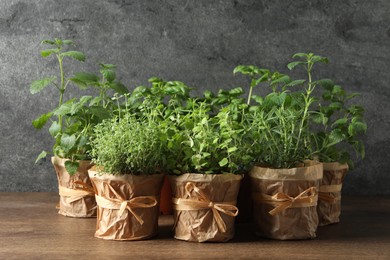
pixel 30 228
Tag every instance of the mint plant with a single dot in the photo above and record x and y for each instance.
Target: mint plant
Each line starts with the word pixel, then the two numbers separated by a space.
pixel 72 121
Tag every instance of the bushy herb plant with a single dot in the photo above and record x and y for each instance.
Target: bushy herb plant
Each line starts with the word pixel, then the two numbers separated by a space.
pixel 203 140
pixel 129 143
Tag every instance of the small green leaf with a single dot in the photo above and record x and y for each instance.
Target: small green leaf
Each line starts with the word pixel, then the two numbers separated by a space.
pixel 300 55
pixel 64 108
pixel 75 55
pixel 119 87
pixel 68 42
pixel 48 52
pixel 100 112
pixel 41 156
pixel 108 74
pixel 295 82
pixel 41 121
pixel 293 64
pixel 223 162
pixel 232 149
pixel 67 141
pixel 71 167
pixel 38 85
pixel 54 128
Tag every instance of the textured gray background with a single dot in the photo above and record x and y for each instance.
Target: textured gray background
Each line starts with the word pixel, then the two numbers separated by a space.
pixel 198 42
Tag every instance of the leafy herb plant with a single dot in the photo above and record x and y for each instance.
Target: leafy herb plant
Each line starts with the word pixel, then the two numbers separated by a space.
pixel 200 140
pixel 341 123
pixel 72 121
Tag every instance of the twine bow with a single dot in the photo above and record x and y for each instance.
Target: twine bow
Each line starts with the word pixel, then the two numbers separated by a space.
pixel 282 201
pixel 200 202
pixel 330 193
pixel 80 191
pixel 121 204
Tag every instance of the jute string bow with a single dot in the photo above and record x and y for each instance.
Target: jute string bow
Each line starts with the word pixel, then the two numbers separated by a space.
pixel 198 200
pixel 82 190
pixel 122 204
pixel 282 201
pixel 330 193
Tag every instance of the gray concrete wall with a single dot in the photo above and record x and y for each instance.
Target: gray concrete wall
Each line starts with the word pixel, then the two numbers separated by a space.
pixel 198 42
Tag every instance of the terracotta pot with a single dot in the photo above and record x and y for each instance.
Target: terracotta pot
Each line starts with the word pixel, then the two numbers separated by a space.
pixel 285 201
pixel 77 198
pixel 204 206
pixel 329 200
pixel 128 205
pixel 166 198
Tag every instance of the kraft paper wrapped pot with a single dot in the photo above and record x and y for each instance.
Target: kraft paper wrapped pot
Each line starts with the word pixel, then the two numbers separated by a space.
pixel 285 201
pixel 128 205
pixel 77 198
pixel 329 198
pixel 204 206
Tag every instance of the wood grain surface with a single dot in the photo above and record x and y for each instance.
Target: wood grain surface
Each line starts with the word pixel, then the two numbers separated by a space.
pixel 30 228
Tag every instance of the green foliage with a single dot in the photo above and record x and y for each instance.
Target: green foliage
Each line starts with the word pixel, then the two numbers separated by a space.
pixel 128 145
pixel 202 141
pixel 342 123
pixel 72 121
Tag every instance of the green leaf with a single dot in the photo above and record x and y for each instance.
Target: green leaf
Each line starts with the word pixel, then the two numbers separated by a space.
pixel 119 87
pixel 300 55
pixel 54 128
pixel 108 74
pixel 84 79
pixel 223 162
pixel 64 108
pixel 48 52
pixel 232 149
pixel 68 42
pixel 48 42
pixel 341 121
pixel 38 85
pixel 75 55
pixel 283 79
pixel 325 83
pixel 41 121
pixel 356 128
pixel 100 112
pixel 295 82
pixel 71 167
pixel 336 136
pixel 41 156
pixel 67 142
pixel 293 64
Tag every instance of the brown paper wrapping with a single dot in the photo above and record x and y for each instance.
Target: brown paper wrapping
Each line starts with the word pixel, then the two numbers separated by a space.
pixel 77 198
pixel 204 206
pixel 329 200
pixel 285 201
pixel 128 207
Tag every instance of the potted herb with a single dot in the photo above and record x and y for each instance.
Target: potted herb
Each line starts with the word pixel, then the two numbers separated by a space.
pixel 71 126
pixel 207 154
pixel 128 153
pixel 284 184
pixel 339 126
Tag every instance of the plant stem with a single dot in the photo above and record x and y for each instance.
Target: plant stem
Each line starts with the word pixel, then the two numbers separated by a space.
pixel 307 104
pixel 62 90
